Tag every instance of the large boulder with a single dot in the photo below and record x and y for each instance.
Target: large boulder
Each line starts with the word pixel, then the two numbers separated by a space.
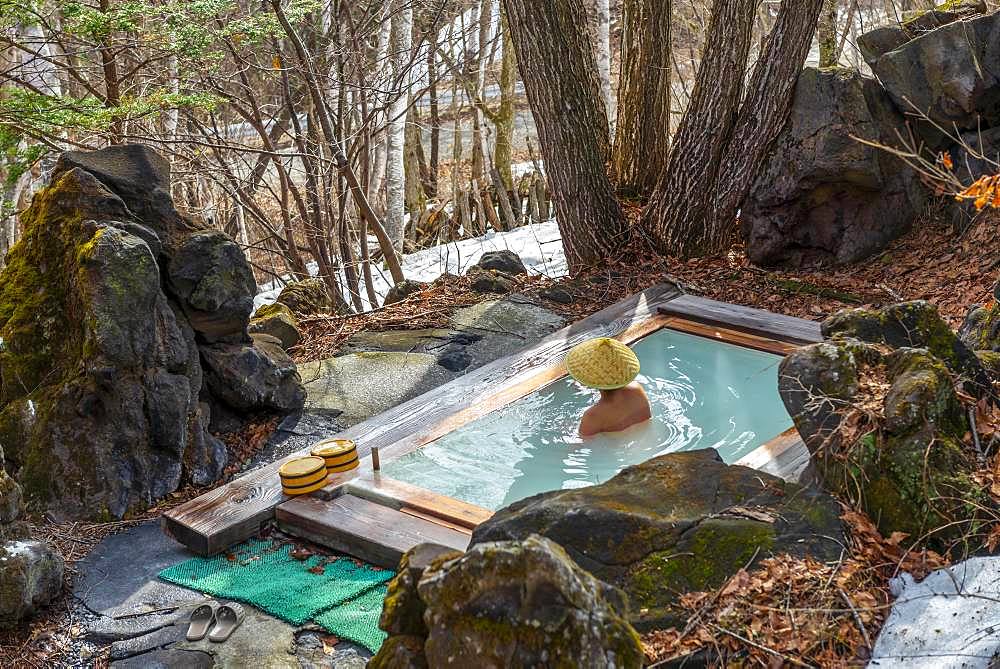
pixel 950 73
pixel 524 604
pixel 106 307
pixel 877 407
pixel 31 576
pixel 883 39
pixel 682 522
pixel 823 196
pixel 254 376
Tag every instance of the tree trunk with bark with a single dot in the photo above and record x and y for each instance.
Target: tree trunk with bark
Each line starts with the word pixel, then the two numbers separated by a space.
pixel 826 34
pixel 642 134
pixel 560 78
pixel 723 139
pixel 684 197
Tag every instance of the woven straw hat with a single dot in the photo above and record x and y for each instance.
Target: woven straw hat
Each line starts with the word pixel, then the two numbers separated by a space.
pixel 604 364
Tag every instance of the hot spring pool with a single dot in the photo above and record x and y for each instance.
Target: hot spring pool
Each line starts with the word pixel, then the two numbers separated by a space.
pixel 703 393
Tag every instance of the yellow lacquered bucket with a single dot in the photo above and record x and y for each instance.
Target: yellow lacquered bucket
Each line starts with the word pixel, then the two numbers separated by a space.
pixel 303 475
pixel 340 455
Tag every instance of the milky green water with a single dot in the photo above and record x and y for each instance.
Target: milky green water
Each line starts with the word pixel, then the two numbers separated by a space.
pixel 703 393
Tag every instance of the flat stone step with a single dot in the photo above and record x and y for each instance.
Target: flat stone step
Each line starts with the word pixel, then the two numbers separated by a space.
pixel 366 530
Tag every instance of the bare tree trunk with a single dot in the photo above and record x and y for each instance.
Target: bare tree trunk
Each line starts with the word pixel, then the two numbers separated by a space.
pixel 684 194
pixel 642 139
pixel 560 78
pixel 395 174
pixel 599 23
pixel 503 151
pixel 435 119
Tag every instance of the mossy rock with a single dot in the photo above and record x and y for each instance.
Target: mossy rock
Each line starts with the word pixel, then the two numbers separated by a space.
pixel 678 523
pixel 403 610
pixel 524 604
pixel 99 377
pixel 310 297
pixel 278 321
pixel 981 329
pixel 30 577
pixel 400 652
pixel 914 324
pixel 910 471
pixel 11 502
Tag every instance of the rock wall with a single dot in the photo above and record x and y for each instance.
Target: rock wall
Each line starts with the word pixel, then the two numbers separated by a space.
pixel 122 323
pixel 823 196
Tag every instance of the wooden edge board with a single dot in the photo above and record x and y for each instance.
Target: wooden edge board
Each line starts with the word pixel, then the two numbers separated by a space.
pixel 236 510
pixel 363 529
pixel 746 319
pixel 384 490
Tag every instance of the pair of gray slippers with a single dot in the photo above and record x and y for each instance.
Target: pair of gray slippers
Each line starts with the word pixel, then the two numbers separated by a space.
pixel 222 619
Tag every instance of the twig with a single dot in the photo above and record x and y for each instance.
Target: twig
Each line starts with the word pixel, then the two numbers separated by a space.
pixel 857 618
pixel 787 658
pixel 980 456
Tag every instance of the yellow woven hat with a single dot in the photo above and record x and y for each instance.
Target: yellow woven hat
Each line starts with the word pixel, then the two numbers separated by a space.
pixel 604 364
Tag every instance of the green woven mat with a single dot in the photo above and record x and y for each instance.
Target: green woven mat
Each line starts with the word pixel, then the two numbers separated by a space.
pixel 342 596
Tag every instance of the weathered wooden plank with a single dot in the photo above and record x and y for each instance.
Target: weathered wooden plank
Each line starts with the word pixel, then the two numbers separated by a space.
pixel 747 319
pixel 397 494
pixel 235 511
pixel 785 456
pixel 366 530
pixel 729 336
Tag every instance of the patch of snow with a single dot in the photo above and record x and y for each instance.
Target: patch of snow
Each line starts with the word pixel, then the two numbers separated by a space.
pixel 518 170
pixel 951 619
pixel 539 246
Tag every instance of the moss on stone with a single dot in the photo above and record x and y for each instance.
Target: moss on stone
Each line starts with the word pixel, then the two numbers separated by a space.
pixel 703 559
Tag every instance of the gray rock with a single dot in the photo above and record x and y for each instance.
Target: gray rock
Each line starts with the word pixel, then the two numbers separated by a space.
pixel 171 658
pixel 106 630
pixel 822 196
pixel 140 177
pixel 146 643
pixel 109 585
pixel 404 289
pixel 447 346
pixel 951 73
pixel 253 377
pixel 505 326
pixel 362 385
pixel 521 604
pixel 210 275
pixel 503 261
pixel 30 577
pixel 683 522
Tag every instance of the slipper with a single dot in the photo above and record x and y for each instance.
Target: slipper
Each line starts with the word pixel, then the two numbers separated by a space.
pixel 201 619
pixel 227 618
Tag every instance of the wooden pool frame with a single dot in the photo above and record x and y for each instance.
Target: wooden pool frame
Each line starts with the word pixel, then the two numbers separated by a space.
pixel 235 511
